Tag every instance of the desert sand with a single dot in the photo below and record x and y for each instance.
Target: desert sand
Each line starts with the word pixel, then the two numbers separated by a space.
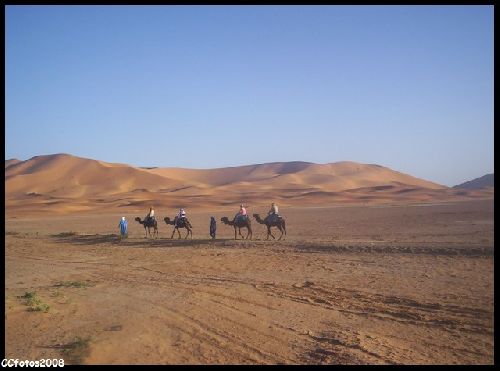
pixel 66 184
pixel 378 282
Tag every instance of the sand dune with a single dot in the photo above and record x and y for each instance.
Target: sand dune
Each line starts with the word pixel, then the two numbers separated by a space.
pixel 11 161
pixel 72 177
pixel 335 176
pixel 66 183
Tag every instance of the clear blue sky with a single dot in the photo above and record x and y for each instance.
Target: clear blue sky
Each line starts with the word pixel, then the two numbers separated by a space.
pixel 407 87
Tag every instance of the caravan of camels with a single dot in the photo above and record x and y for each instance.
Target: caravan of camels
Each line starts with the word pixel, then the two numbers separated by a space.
pixel 240 220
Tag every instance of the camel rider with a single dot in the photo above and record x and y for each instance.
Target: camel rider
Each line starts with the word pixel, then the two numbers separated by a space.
pixel 151 214
pixel 182 214
pixel 274 209
pixel 273 212
pixel 242 212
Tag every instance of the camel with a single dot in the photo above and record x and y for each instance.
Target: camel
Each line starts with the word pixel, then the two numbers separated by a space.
pixel 239 224
pixel 151 223
pixel 182 224
pixel 277 222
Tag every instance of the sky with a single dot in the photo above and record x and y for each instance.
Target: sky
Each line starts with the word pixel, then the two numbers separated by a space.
pixel 406 87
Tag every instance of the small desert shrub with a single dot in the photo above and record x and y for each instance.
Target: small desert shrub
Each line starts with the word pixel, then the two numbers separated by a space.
pixel 8 303
pixel 41 307
pixel 31 297
pixel 78 284
pixel 34 302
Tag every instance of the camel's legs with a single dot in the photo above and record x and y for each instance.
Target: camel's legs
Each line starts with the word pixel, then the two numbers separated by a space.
pixel 235 233
pixel 269 233
pixel 281 230
pixel 172 236
pixel 179 233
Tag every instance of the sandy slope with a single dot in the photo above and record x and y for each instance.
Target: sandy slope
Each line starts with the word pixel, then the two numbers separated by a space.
pixel 65 184
pixel 66 176
pixel 10 162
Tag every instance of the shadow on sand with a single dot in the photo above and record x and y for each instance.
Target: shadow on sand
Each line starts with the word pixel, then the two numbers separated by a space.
pixel 114 239
pixel 75 351
pixel 445 250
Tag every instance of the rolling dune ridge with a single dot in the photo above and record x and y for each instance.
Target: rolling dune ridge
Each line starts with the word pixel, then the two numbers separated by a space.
pixel 63 183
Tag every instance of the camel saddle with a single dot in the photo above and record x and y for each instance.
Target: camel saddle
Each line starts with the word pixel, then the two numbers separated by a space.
pixel 273 218
pixel 240 218
pixel 180 222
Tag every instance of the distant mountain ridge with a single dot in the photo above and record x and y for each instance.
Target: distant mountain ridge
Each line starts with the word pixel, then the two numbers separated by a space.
pixel 478 183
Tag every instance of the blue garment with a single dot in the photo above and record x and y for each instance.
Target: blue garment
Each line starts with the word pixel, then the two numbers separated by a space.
pixel 123 227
